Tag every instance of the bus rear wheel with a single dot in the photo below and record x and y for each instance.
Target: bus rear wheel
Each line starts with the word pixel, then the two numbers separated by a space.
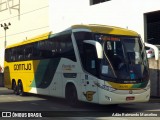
pixel 14 87
pixel 20 89
pixel 71 95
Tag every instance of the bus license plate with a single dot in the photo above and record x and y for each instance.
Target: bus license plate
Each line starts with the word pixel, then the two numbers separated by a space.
pixel 130 98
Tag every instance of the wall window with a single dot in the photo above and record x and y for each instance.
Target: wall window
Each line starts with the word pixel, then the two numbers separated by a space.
pixel 93 2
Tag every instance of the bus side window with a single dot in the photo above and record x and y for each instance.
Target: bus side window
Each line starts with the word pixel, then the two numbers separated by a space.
pixel 90 59
pixel 28 50
pixel 13 53
pixel 20 53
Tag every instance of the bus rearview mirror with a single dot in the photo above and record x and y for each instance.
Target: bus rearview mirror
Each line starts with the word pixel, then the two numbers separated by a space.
pixel 98 47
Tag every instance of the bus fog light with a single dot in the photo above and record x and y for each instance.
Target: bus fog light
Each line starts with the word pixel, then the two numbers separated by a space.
pixel 108 98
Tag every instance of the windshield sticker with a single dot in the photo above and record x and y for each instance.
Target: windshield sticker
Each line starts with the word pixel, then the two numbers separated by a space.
pixel 137 56
pixel 104 69
pixel 109 46
pixel 93 64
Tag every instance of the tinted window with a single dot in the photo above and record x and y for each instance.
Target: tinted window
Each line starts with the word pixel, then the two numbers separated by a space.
pixel 58 46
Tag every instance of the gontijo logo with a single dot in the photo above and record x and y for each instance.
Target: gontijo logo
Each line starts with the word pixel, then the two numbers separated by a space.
pixel 27 66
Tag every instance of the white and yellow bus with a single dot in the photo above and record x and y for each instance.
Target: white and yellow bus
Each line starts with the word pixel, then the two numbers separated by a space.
pixel 92 63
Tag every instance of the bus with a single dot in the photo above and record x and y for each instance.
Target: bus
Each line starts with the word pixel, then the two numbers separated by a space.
pixel 92 63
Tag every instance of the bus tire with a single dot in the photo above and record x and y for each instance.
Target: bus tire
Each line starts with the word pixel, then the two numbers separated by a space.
pixel 14 87
pixel 20 89
pixel 71 95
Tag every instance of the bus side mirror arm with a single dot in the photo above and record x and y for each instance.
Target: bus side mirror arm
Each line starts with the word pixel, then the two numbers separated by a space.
pixel 98 47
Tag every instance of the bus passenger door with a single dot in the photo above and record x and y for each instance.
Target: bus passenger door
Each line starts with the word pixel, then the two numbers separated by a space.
pixel 89 78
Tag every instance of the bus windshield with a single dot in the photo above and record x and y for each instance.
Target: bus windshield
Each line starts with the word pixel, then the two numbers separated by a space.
pixel 124 58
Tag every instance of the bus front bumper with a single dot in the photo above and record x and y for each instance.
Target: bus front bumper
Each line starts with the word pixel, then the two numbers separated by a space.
pixel 114 98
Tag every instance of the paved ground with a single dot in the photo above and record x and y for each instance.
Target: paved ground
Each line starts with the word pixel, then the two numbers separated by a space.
pixel 11 102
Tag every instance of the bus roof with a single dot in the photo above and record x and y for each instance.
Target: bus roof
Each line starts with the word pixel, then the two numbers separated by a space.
pixel 105 29
pixel 34 39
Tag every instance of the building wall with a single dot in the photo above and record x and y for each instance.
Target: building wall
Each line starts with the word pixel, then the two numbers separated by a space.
pixel 64 13
pixel 33 20
pixel 123 13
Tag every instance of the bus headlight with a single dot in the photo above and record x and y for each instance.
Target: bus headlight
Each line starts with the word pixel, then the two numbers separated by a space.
pixel 105 87
pixel 108 98
pixel 110 89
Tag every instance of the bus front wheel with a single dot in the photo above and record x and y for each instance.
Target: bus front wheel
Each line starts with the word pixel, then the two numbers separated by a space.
pixel 71 95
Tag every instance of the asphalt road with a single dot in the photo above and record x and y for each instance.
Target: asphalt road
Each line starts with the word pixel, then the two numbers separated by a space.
pixel 56 108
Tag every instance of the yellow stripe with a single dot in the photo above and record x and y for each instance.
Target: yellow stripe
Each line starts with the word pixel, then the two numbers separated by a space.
pixel 34 39
pixel 121 86
pixel 107 29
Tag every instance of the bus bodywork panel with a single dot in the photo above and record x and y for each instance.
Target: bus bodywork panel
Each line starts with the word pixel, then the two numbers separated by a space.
pixel 37 73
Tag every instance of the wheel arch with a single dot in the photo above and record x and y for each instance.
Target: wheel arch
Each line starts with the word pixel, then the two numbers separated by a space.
pixel 19 80
pixel 69 84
